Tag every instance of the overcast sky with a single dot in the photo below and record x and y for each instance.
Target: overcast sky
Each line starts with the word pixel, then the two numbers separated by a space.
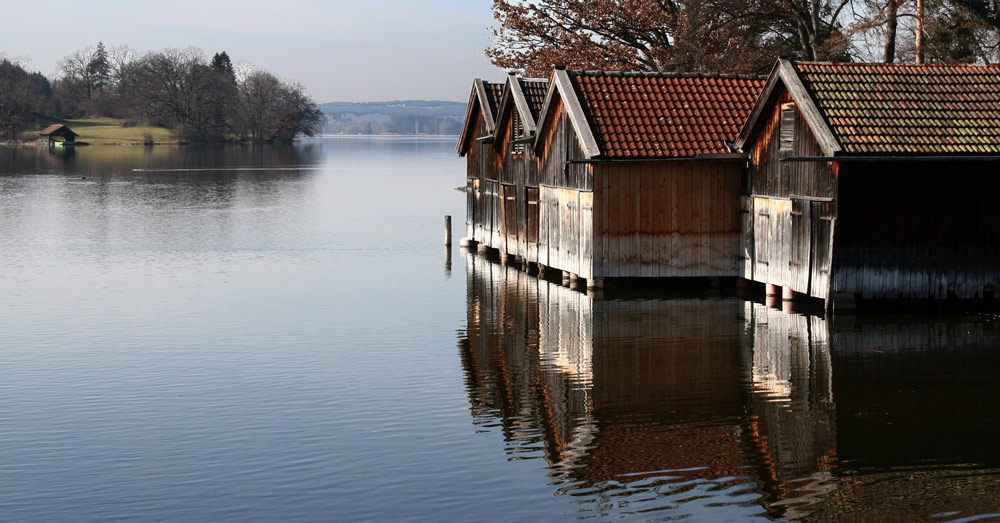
pixel 341 50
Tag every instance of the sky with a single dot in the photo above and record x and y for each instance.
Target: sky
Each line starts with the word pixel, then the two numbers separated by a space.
pixel 341 50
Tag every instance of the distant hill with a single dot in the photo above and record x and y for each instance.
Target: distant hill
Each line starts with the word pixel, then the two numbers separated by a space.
pixel 396 117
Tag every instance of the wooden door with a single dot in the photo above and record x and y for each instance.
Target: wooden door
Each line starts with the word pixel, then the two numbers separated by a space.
pixel 800 250
pixel 824 219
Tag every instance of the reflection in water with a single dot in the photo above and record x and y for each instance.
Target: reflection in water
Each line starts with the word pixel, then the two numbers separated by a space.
pixel 653 407
pixel 721 409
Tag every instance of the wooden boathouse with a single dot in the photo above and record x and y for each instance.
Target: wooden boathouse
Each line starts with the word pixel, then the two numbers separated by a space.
pixel 874 181
pixel 58 133
pixel 475 143
pixel 637 178
pixel 517 172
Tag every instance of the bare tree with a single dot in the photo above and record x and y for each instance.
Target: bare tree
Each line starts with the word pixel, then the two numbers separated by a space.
pixel 723 35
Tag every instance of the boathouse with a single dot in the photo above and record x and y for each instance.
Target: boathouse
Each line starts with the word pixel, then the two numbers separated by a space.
pixel 57 133
pixel 516 123
pixel 874 181
pixel 482 165
pixel 637 178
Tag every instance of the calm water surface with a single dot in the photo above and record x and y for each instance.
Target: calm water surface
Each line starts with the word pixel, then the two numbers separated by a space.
pixel 278 333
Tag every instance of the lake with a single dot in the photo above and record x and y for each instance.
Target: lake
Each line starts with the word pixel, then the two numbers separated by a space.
pixel 278 333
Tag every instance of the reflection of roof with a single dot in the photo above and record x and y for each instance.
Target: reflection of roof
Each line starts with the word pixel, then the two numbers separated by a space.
pixel 622 447
pixel 907 108
pixel 660 115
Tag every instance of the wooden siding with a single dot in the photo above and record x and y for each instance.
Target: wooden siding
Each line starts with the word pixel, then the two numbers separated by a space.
pixel 772 177
pixel 566 231
pixel 789 209
pixel 667 219
pixel 561 153
pixel 482 196
pixel 518 169
pixel 918 230
pixel 790 242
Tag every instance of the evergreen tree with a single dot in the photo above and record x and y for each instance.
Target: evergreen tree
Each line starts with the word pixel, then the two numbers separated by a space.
pixel 221 63
pixel 99 69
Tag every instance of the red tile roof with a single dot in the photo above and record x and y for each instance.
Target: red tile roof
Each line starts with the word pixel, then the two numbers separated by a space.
pixel 663 115
pixel 908 109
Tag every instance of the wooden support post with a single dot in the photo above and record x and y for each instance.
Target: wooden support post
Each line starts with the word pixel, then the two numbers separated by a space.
pixel 787 306
pixel 447 230
pixel 787 294
pixel 772 290
pixel 594 284
pixel 565 277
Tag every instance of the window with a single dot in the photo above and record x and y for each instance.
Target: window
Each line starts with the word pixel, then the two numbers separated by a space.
pixel 516 133
pixel 787 128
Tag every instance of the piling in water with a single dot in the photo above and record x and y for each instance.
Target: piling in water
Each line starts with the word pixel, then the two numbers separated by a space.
pixel 447 230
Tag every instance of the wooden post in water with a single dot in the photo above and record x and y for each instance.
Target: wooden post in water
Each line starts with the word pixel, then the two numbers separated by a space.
pixel 447 230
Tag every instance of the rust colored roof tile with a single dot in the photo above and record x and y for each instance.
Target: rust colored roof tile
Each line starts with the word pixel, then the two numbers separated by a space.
pixel 662 115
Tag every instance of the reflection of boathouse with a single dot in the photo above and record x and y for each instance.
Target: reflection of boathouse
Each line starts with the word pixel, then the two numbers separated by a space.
pixel 646 405
pixel 623 395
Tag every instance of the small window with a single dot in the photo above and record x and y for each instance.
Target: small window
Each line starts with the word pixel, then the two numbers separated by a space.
pixel 518 133
pixel 787 128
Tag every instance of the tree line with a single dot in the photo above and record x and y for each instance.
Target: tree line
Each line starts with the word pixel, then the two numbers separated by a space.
pixel 202 100
pixel 738 36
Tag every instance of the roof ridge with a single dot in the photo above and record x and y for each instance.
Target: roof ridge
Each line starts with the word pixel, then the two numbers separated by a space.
pixel 896 65
pixel 665 74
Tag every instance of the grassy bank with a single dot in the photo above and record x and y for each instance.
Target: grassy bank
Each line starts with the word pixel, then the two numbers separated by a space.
pixel 107 131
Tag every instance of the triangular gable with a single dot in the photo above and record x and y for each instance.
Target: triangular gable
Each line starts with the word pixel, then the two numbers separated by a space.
pixel 484 98
pixel 784 74
pixel 561 88
pixel 515 98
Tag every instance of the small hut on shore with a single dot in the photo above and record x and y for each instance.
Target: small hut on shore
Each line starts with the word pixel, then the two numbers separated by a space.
pixel 57 133
pixel 874 181
pixel 516 123
pixel 637 177
pixel 482 203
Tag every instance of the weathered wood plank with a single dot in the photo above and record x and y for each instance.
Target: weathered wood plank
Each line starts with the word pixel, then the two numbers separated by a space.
pixel 635 196
pixel 646 215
